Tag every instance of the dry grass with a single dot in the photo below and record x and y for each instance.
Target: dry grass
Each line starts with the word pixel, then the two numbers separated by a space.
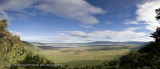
pixel 63 55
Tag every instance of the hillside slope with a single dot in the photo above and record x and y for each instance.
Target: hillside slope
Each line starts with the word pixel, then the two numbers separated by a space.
pixel 145 58
pixel 13 51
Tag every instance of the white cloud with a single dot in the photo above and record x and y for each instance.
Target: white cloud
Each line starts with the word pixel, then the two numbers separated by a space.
pixel 72 9
pixel 4 15
pixel 77 33
pixel 79 10
pixel 130 22
pixel 134 28
pixel 14 5
pixel 62 34
pixel 108 34
pixel 61 39
pixel 16 33
pixel 81 37
pixel 143 39
pixel 146 13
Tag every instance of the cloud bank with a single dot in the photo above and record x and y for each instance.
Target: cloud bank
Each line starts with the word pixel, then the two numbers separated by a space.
pixel 130 22
pixel 146 13
pixel 79 10
pixel 16 33
pixel 108 34
pixel 103 35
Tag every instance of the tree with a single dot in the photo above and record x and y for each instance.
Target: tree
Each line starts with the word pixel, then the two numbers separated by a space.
pixel 3 32
pixel 158 13
pixel 156 34
pixel 3 24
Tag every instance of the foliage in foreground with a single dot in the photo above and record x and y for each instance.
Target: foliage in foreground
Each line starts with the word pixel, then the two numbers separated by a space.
pixel 145 58
pixel 13 51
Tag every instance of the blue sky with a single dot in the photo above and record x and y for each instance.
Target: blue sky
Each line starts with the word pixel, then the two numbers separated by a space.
pixel 79 21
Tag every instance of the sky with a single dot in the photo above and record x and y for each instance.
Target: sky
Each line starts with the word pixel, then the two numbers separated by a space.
pixel 80 21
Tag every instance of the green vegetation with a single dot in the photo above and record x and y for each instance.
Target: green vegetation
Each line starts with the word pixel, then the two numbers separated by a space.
pixel 14 51
pixel 86 54
pixel 64 55
pixel 147 57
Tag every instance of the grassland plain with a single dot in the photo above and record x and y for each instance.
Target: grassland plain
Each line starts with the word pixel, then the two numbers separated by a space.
pixel 86 54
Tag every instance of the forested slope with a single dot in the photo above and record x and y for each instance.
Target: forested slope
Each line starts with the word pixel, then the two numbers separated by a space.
pixel 14 51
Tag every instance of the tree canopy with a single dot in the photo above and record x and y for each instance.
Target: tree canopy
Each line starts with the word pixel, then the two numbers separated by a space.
pixel 3 32
pixel 156 34
pixel 158 13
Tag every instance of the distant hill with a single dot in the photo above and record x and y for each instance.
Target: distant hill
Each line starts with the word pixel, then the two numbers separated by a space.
pixel 96 42
pixel 36 43
pixel 128 42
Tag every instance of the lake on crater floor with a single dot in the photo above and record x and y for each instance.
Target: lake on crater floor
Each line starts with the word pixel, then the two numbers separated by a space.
pixel 54 47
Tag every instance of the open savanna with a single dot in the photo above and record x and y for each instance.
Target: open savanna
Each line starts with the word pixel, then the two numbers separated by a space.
pixel 85 54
